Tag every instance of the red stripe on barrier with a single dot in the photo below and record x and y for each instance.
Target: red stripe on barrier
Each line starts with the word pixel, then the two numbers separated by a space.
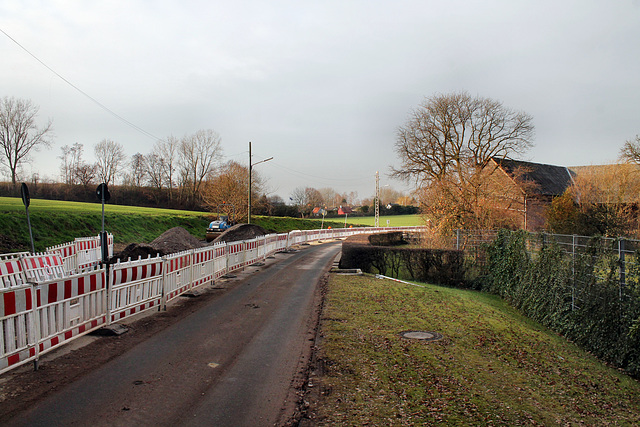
pixel 9 303
pixel 29 300
pixel 81 290
pixel 68 289
pixel 68 334
pixel 92 282
pixel 53 293
pixel 13 359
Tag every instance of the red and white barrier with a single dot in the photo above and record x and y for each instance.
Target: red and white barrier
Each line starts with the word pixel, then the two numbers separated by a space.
pixel 134 286
pixel 69 308
pixel 17 327
pixel 177 277
pixel 11 271
pixel 43 267
pixel 202 271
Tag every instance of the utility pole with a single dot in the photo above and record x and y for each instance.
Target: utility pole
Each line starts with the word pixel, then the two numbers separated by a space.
pixel 377 201
pixel 249 198
pixel 251 165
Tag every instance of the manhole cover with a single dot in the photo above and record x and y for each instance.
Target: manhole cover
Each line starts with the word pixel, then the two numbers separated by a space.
pixel 421 335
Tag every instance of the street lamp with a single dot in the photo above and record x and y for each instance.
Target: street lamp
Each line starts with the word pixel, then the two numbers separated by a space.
pixel 250 168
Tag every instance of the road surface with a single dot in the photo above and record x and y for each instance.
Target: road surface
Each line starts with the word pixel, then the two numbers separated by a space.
pixel 235 361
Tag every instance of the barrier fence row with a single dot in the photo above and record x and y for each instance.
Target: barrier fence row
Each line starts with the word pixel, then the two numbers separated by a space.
pixel 48 299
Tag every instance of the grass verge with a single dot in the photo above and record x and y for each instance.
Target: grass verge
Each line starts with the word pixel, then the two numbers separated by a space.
pixel 493 366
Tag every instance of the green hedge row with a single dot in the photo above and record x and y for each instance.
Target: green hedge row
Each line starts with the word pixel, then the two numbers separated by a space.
pixel 579 297
pixel 424 265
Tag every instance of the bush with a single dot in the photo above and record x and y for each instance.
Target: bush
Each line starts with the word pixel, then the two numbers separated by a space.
pixel 424 265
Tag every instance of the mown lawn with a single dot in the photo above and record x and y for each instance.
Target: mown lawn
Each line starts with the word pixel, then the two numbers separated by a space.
pixel 492 367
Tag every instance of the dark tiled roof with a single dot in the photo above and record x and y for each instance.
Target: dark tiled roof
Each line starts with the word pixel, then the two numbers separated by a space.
pixel 547 180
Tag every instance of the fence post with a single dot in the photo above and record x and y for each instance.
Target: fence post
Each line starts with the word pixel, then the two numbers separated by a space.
pixel 621 255
pixel 573 272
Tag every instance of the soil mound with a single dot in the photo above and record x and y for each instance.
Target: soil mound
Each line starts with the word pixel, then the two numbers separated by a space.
pixel 135 251
pixel 174 240
pixel 240 232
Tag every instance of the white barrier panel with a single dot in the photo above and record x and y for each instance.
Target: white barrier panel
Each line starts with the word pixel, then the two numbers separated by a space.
pixel 11 271
pixel 134 286
pixel 251 251
pixel 69 308
pixel 220 260
pixel 43 267
pixel 17 327
pixel 203 269
pixel 177 276
pixel 235 256
pixel 67 252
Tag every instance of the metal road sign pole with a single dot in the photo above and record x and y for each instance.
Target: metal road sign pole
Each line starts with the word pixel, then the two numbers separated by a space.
pixel 26 199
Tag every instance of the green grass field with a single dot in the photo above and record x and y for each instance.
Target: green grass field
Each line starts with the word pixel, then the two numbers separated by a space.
pixel 54 222
pixel 492 367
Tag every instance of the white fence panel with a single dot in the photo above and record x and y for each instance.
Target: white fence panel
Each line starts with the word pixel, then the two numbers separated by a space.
pixel 69 308
pixel 135 286
pixel 43 267
pixel 203 270
pixel 220 260
pixel 11 271
pixel 236 256
pixel 177 276
pixel 17 327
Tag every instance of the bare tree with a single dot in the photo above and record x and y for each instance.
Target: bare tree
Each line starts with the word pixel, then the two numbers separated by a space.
pixel 306 198
pixel 446 145
pixel 198 155
pixel 19 135
pixel 71 159
pixel 110 160
pixel 630 151
pixel 137 170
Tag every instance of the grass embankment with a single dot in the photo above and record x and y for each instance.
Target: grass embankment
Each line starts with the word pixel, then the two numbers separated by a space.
pixel 54 222
pixel 493 366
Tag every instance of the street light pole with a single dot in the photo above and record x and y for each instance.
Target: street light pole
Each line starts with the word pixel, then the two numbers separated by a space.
pixel 251 165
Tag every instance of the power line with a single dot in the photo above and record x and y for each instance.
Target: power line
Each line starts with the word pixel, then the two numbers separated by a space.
pixel 95 101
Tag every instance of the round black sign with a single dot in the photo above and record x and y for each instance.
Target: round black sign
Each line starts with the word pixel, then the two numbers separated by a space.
pixel 103 192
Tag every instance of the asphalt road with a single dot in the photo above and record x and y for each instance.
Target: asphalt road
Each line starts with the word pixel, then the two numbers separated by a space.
pixel 235 361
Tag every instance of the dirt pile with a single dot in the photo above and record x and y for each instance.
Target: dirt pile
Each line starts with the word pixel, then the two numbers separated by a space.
pixel 176 239
pixel 240 232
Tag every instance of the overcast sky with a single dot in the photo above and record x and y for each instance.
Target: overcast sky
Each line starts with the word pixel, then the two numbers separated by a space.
pixel 321 85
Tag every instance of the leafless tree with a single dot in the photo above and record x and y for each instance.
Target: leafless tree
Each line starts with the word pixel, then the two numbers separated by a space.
pixel 198 156
pixel 446 145
pixel 110 159
pixel 306 198
pixel 137 170
pixel 71 158
pixel 19 134
pixel 630 151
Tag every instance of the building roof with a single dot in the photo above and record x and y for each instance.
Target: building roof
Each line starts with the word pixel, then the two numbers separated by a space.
pixel 546 180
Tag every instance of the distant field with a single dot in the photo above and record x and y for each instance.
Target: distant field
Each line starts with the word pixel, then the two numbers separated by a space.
pixel 394 220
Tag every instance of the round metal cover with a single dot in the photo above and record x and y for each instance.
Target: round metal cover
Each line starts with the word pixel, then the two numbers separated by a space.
pixel 421 335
